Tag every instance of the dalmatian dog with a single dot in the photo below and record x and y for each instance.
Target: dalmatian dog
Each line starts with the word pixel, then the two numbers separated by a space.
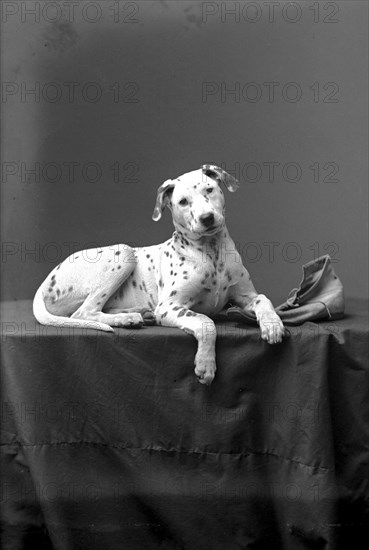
pixel 183 282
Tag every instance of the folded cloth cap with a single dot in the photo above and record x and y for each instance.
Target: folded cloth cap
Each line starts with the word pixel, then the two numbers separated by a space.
pixel 319 297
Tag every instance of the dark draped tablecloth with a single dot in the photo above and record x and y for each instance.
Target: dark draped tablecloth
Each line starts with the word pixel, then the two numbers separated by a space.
pixel 109 442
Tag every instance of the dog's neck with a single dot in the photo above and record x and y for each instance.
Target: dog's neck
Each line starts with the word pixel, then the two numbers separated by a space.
pixel 206 244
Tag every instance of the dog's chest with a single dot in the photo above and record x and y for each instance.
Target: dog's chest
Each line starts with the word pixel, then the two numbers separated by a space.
pixel 211 282
pixel 198 277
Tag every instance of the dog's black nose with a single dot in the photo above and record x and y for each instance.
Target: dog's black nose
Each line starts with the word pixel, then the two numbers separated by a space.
pixel 207 219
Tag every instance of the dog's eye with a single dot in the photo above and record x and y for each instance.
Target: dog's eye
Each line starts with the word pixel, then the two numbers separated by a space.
pixel 209 190
pixel 183 202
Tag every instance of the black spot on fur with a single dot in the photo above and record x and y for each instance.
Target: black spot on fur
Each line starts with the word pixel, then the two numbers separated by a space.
pixel 176 308
pixel 103 295
pixel 164 314
pixel 98 303
pixel 70 289
pixel 161 284
pixel 118 253
pixel 119 267
pixel 53 282
pixel 134 283
pixel 181 313
pixel 173 293
pixel 257 302
pixel 144 286
pixel 50 289
pixel 147 255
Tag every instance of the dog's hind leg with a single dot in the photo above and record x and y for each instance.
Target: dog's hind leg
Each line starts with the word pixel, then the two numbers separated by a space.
pixel 113 278
pixel 75 292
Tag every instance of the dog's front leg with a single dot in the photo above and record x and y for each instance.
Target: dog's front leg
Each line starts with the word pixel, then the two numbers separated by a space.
pixel 198 325
pixel 271 326
pixel 244 295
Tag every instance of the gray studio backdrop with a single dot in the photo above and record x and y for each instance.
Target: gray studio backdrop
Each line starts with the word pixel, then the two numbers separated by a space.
pixel 103 101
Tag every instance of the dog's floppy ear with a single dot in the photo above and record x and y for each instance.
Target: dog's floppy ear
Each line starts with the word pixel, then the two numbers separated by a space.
pixel 162 198
pixel 220 175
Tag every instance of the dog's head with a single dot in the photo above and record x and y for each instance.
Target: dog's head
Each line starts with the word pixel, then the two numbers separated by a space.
pixel 196 200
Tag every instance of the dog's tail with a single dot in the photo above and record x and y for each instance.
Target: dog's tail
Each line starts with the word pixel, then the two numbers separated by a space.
pixel 44 317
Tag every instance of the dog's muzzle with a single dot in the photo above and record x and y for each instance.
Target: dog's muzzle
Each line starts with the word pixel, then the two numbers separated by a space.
pixel 207 220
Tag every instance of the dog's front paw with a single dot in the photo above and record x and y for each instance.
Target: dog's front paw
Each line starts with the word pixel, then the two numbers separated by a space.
pixel 128 320
pixel 271 328
pixel 205 370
